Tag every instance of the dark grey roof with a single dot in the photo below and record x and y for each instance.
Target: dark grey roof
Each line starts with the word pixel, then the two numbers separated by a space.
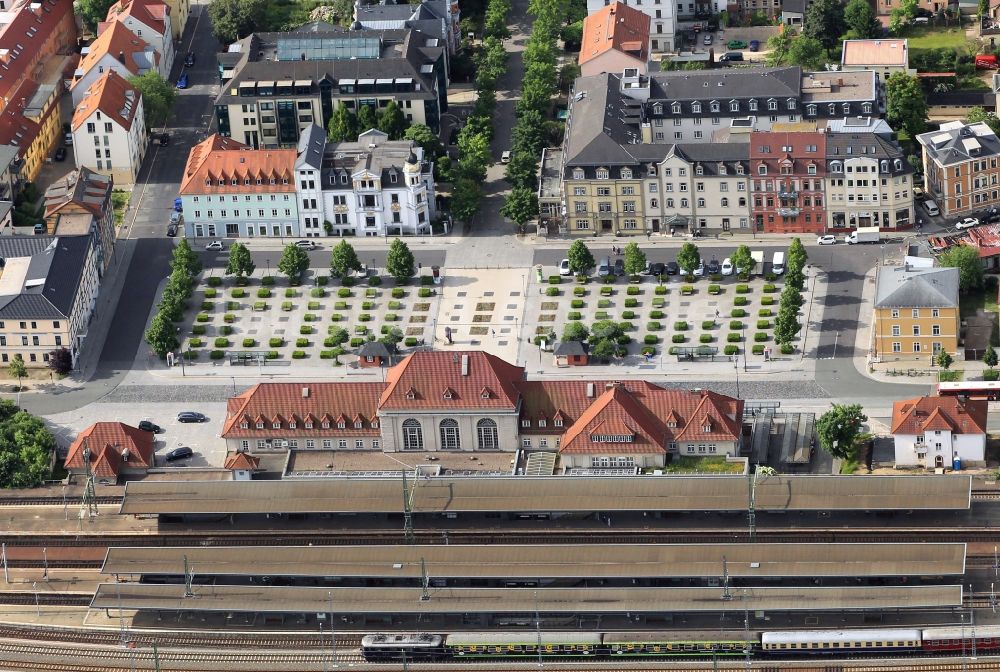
pixel 315 27
pixel 373 152
pixel 859 124
pixel 793 6
pixel 7 155
pixel 311 146
pixel 840 146
pixel 907 287
pixel 604 125
pixel 710 155
pixel 726 84
pixel 84 187
pixel 52 279
pixel 570 349
pixel 956 142
pixel 374 349
pixel 979 98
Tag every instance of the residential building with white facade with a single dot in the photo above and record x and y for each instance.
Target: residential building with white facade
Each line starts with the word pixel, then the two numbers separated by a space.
pixel 869 182
pixel 149 20
pixel 109 130
pixel 230 190
pixel 118 49
pixel 939 432
pixel 701 187
pixel 372 187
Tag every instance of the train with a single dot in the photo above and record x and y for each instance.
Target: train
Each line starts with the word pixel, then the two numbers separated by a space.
pixel 470 645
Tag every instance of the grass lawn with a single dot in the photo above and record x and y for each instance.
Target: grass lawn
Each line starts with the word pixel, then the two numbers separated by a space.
pixel 932 37
pixel 949 376
pixel 702 465
pixel 285 14
pixel 980 299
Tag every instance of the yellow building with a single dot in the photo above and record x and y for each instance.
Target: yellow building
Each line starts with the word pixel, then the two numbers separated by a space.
pixel 31 122
pixel 916 313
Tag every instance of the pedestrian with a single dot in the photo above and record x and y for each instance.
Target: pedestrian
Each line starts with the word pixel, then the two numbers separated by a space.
pixel 494 332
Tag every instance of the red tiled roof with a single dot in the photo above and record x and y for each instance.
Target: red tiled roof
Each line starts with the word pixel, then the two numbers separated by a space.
pixel 617 27
pixel 289 403
pixel 921 414
pixel 15 128
pixel 116 40
pixel 420 379
pixel 22 49
pixel 616 413
pixel 112 95
pixel 218 159
pixel 242 461
pixel 107 442
pixel 148 12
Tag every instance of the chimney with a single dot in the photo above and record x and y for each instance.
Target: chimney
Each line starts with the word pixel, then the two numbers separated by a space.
pixel 36 8
pixel 305 392
pixel 121 56
pixel 125 455
pixel 465 365
pixel 5 55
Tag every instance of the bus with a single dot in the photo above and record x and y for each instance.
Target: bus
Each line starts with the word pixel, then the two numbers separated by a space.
pixel 971 389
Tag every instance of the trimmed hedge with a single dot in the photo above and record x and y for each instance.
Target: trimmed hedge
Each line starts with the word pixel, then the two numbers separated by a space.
pixel 426 292
pixel 222 342
pixel 317 292
pixel 760 337
pixel 577 303
pixel 731 350
pixel 735 324
pixel 708 324
pixel 733 337
pixel 213 281
pixel 263 293
pixel 290 293
pixel 659 290
pixel 764 312
pixel 249 342
pixel 225 330
pixel 574 316
pixel 678 338
pixel 763 324
pixel 680 326
pixel 579 291
pixel 305 329
pixel 549 291
pixel 650 339
pixel 344 292
pixel 198 329
pixel 398 292
pixel 738 312
pixel 706 338
pixel 740 301
pixel 217 354
pixel 298 354
pixel 758 349
pixel 767 300
pixel 632 290
pixel 275 342
pixel 653 326
pixel 267 281
pixel 656 314
pixel 631 302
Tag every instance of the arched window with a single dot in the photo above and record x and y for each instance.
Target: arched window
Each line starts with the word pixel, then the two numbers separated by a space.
pixel 413 435
pixel 488 438
pixel 450 439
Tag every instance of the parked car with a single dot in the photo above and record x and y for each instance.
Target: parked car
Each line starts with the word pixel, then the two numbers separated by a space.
pixel 619 267
pixel 736 44
pixel 147 426
pixel 505 156
pixel 215 246
pixel 925 13
pixel 713 267
pixel 189 59
pixel 827 240
pixel 754 45
pixel 303 244
pixel 673 268
pixel 731 57
pixel 604 268
pixel 727 266
pixel 171 230
pixel 179 454
pixel 178 205
pixel 707 40
pixel 919 194
pixel 699 270
pixel 656 269
pixel 191 416
pixel 164 139
pixel 60 154
pixel 176 216
pixel 564 267
pixel 182 81
pixel 966 223
pixel 68 139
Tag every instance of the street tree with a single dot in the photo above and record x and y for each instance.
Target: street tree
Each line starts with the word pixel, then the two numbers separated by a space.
pixel 344 260
pixel 824 21
pixel 184 257
pixel 795 278
pixel 797 255
pixel 235 19
pixel 17 369
pixel 158 96
pixel 839 429
pixel 575 331
pixel 293 263
pixel 790 297
pixel 474 155
pixel 521 206
pixel 391 121
pixel 861 22
pixel 990 357
pixel 61 361
pixel 742 260
pixel 978 114
pixel 425 137
pixel 367 119
pixel 391 338
pixel 581 260
pixel 970 268
pixel 26 447
pixel 906 107
pixel 688 258
pixel 779 44
pixel 240 262
pixel 604 349
pixel 465 198
pixel 337 336
pixel 786 325
pixel 161 335
pixel 635 259
pixel 343 126
pixel 92 12
pixel 399 261
pixel 943 359
pixel 808 53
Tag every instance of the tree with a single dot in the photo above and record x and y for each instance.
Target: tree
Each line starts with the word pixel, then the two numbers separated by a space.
pixel 580 258
pixel 786 324
pixel 158 97
pixel 572 36
pixel 794 278
pixel 575 331
pixel 779 44
pixel 521 206
pixel 61 361
pixel 293 263
pixel 337 336
pixel 860 20
pixel 797 255
pixel 808 53
pixel 742 259
pixel 824 21
pixel 344 260
pixel 978 114
pixel 984 8
pixel 185 258
pixel 391 121
pixel 970 269
pixel 235 19
pixel 26 446
pixel 465 199
pixel 635 259
pixel 943 359
pixel 343 126
pixel 688 258
pixel 391 338
pixel 17 369
pixel 366 119
pixel 839 428
pixel 425 137
pixel 905 107
pixel 790 297
pixel 240 262
pixel 902 16
pixel 399 261
pixel 92 12
pixel 990 357
pixel 161 335
pixel 474 155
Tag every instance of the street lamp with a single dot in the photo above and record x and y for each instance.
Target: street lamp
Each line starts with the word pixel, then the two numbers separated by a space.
pixel 267 260
pixel 736 367
pixel 743 328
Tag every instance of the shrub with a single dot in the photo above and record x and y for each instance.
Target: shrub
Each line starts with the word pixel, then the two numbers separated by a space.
pixel 222 342
pixel 317 292
pixel 232 305
pixel 687 289
pixel 659 302
pixel 625 339
pixel 632 290
pixel 577 303
pixel 574 316
pixel 991 374
pixel 601 315
pixel 631 302
pixel 656 314
pixel 770 277
pixel 395 305
pixel 249 342
pixel 735 324
pixel 769 288
pixel 708 324
pixel 758 349
pixel 305 329
pixel 424 292
pixel 760 337
pixel 327 354
pixel 608 279
pixel 202 317
pixel 341 305
pixel 742 289
pixel 301 342
pixel 344 292
pixel 263 293
pixel 680 326
pixel 360 329
pixel 650 339
pixel 211 293
pixel 336 317
pixel 298 354
pixel 365 317
pixel 738 312
pixel 763 324
pixel 275 342
pixel 733 337
pixel 374 280
pixel 653 326
pixel 391 317
pixel 659 290
pixel 554 279
pixel 604 303
pixel 767 300
pixel 551 291
pixel 239 293
pixel 740 301
pixel 290 293
pixel 207 305
pixel 272 354
pixel 731 350
pixel 678 338
pixel 787 348
pixel 257 305
pixel 764 312
pixel 706 338
pixel 314 305
pixel 648 351
pixel 367 305
pixel 217 354
pixel 607 291
pixel 267 280
pixel 225 330
pixel 410 341
pixel 347 282
pixel 398 292
pixel 714 289
pixel 213 281
pixel 358 341
pixel 582 279
pixel 242 281
pixel 628 315
pixel 579 291
pixel 198 329
pixel 286 306
pixel 322 280
pixel 190 355
pixel 195 342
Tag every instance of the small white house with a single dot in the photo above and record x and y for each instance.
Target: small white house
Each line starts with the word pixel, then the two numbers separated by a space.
pixel 109 130
pixel 936 432
pixel 148 20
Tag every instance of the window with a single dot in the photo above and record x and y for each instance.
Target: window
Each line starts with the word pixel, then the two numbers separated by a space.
pixel 450 439
pixel 413 435
pixel 934 313
pixel 526 443
pixel 488 437
pixel 894 312
pixel 358 443
pixel 936 330
pixel 916 329
pixel 897 346
pixel 916 312
pixel 895 330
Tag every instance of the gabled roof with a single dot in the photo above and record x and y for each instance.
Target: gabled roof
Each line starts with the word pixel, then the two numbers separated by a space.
pixel 908 287
pixel 150 13
pixel 108 442
pixel 15 127
pixel 81 188
pixel 113 96
pixel 958 142
pixel 922 414
pixel 28 30
pixel 479 380
pixel 120 43
pixel 615 414
pixel 242 461
pixel 295 402
pixel 223 159
pixel 615 27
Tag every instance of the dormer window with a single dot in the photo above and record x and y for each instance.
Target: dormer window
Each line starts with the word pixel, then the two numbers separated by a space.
pixel 558 422
pixel 411 393
pixel 762 169
pixel 526 423
pixel 832 107
pixel 234 182
pixel 722 169
pixel 602 173
pixel 672 424
pixel 244 425
pixel 275 425
pixel 657 108
pixel 448 394
pixel 734 106
pixel 866 108
pixel 772 104
pixel 675 108
pixel 811 170
pixel 707 427
pixel 246 181
pixel 260 425
pixel 696 108
pixel 626 173
pixel 292 425
pixel 811 110
pixel 326 424
pixel 309 425
pixel 485 394
pixel 374 424
pixel 357 424
pixel 739 169
pixel 341 424
pixel 752 105
pixel 713 106
pixel 541 423
pixel 578 173
pixel 698 170
pixel 791 103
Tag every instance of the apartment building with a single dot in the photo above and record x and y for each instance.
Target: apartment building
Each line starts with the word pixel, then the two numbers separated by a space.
pixel 788 173
pixel 372 187
pixel 276 85
pixel 30 121
pixel 869 183
pixel 230 190
pixel 960 167
pixel 700 187
pixel 39 36
pixel 916 313
pixel 116 48
pixel 615 37
pixel 79 204
pixel 109 130
pixel 11 181
pixel 660 27
pixel 48 290
pixel 148 20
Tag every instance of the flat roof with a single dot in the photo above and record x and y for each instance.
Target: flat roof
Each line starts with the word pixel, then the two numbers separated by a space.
pixel 281 599
pixel 545 494
pixel 559 560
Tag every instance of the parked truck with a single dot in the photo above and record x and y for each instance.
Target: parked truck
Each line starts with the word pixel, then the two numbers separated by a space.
pixel 758 262
pixel 864 234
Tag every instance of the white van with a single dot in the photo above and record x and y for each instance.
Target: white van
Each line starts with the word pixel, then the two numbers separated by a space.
pixel 778 263
pixel 931 207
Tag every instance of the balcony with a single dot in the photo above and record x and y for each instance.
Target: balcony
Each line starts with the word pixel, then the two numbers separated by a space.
pixel 788 195
pixel 788 212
